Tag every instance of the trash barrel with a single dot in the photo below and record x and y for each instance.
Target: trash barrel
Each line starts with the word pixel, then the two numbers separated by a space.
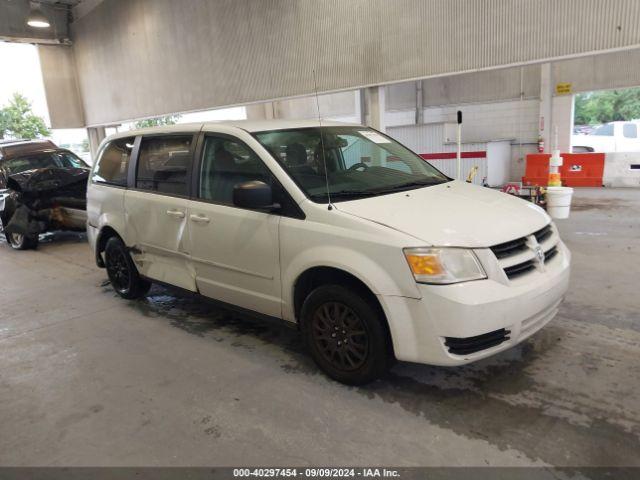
pixel 559 201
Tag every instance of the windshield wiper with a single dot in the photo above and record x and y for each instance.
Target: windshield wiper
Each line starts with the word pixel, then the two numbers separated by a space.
pixel 346 193
pixel 410 185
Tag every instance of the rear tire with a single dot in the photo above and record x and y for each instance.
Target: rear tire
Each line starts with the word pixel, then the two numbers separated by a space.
pixel 345 335
pixel 122 272
pixel 19 241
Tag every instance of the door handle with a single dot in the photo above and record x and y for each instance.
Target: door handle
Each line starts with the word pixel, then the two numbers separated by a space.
pixel 175 213
pixel 199 218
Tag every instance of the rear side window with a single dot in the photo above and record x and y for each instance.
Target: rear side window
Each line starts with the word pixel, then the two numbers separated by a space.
pixel 630 130
pixel 605 130
pixel 163 164
pixel 113 164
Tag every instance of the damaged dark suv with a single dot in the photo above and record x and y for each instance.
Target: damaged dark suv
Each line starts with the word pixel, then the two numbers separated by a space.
pixel 42 188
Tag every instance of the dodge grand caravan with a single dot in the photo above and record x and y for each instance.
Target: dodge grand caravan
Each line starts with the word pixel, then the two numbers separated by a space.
pixel 370 250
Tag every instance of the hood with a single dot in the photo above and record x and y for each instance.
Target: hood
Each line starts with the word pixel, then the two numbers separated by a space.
pixel 452 214
pixel 47 179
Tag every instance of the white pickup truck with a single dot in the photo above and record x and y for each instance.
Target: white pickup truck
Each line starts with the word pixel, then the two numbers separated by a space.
pixel 610 137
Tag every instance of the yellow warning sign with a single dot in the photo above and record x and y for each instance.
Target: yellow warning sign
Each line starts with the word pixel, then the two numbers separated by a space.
pixel 563 88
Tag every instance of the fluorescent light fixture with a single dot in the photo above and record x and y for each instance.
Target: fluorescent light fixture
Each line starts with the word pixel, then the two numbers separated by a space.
pixel 36 18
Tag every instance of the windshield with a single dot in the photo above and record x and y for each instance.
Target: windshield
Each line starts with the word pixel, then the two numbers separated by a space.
pixel 42 160
pixel 360 162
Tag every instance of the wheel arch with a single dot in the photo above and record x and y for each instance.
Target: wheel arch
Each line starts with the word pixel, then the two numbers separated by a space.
pixel 314 277
pixel 106 232
pixel 582 149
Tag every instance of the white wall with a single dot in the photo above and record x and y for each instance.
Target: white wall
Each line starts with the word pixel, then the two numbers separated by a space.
pixel 515 121
pixel 618 171
pixel 562 117
pixel 429 138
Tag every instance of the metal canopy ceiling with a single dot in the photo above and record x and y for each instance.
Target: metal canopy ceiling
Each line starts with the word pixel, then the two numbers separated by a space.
pixel 13 14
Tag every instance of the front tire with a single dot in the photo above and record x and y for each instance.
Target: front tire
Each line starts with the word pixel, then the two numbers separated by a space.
pixel 19 241
pixel 122 272
pixel 344 333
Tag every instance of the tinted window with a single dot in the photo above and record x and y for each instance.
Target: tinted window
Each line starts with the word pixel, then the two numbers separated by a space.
pixel 163 164
pixel 630 130
pixel 113 164
pixel 604 130
pixel 227 162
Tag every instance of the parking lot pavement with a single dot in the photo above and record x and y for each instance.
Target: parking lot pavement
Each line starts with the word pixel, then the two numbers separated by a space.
pixel 87 378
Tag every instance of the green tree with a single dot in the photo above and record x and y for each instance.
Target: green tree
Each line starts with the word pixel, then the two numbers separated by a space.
pixel 158 121
pixel 17 120
pixel 607 106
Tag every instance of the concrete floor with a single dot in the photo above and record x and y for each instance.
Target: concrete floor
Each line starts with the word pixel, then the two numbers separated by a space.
pixel 87 378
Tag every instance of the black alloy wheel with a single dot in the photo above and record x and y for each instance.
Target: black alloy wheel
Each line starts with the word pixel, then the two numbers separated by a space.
pixel 122 272
pixel 340 335
pixel 344 330
pixel 118 270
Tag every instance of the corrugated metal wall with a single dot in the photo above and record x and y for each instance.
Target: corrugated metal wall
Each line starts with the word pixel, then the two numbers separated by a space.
pixel 137 58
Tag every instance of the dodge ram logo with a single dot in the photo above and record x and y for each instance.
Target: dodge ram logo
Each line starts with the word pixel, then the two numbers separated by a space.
pixel 539 255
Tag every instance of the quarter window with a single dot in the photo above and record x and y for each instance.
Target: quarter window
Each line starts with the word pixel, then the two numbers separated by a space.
pixel 630 130
pixel 226 163
pixel 113 164
pixel 163 164
pixel 605 130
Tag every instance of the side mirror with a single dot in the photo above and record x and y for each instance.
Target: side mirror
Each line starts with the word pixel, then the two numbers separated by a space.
pixel 254 195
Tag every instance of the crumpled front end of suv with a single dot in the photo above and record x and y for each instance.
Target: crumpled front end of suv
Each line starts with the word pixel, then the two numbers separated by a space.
pixel 45 199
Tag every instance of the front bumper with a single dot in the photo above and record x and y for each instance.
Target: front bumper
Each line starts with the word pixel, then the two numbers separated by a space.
pixel 419 327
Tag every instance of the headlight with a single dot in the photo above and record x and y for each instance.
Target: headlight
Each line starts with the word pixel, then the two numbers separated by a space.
pixel 443 265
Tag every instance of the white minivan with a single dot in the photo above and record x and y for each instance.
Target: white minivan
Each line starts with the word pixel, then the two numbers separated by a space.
pixel 370 250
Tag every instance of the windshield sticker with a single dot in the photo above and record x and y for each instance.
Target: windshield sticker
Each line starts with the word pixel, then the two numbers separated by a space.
pixel 373 136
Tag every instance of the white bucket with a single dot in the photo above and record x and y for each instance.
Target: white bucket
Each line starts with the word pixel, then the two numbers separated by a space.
pixel 559 201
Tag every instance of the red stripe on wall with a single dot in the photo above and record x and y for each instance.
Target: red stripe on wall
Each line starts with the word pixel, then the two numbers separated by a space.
pixel 449 155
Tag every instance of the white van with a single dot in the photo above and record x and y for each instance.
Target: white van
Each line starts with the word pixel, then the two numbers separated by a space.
pixel 370 250
pixel 610 137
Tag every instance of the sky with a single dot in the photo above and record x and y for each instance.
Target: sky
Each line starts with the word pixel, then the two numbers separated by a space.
pixel 21 73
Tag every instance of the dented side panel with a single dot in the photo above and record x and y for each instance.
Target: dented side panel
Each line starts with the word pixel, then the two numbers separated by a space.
pixel 104 204
pixel 157 231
